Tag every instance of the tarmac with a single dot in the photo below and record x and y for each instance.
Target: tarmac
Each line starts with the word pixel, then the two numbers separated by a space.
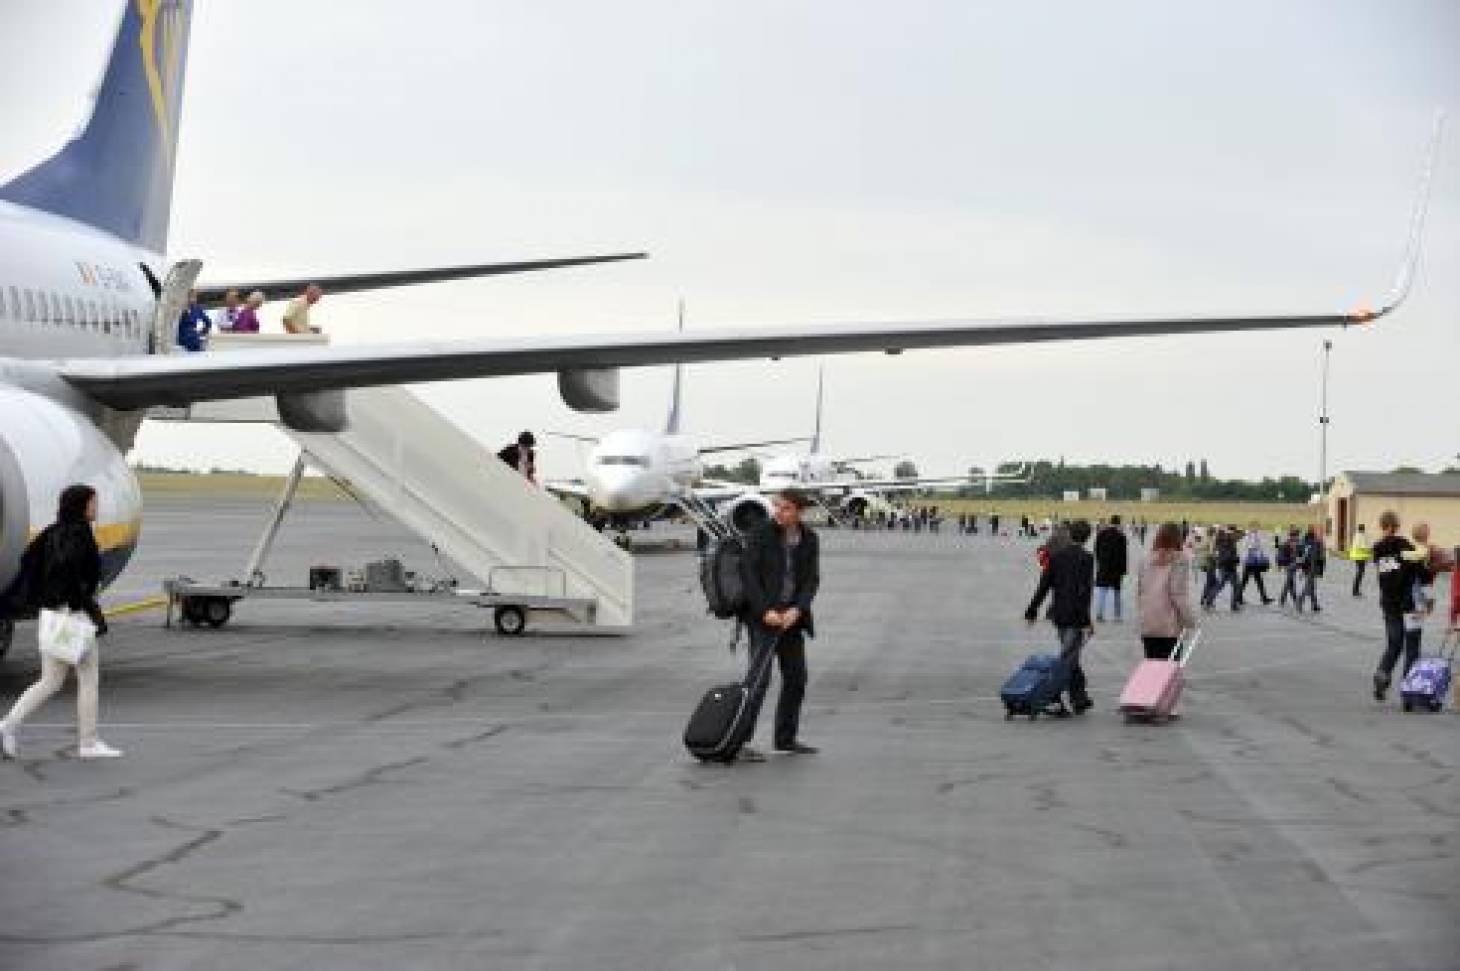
pixel 331 786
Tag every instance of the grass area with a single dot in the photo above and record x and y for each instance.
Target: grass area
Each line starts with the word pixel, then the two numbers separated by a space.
pixel 1268 515
pixel 230 485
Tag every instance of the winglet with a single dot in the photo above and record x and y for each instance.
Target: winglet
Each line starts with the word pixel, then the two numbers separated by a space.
pixel 676 394
pixel 820 393
pixel 1404 280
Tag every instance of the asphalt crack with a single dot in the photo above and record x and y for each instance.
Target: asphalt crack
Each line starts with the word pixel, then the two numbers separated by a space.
pixel 370 777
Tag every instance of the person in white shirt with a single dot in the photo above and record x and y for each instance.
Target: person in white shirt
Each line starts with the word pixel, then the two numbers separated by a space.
pixel 225 316
pixel 1255 563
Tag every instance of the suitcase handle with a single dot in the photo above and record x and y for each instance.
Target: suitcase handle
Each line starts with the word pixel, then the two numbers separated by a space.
pixel 1186 642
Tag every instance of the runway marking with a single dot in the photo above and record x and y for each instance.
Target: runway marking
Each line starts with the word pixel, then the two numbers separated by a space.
pixel 135 606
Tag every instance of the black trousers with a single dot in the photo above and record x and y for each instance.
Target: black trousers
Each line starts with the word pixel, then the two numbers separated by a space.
pixel 1252 573
pixel 1159 648
pixel 1398 640
pixel 1359 575
pixel 790 651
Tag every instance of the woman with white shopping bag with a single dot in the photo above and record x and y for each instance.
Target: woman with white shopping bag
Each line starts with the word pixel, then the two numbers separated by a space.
pixel 60 573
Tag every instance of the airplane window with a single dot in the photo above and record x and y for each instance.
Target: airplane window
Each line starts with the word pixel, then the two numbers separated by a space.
pixel 639 460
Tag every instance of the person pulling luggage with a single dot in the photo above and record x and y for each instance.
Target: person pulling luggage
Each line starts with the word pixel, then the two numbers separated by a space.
pixel 781 571
pixel 1070 576
pixel 1163 591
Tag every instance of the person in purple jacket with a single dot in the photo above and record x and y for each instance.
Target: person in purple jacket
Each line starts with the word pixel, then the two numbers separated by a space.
pixel 247 321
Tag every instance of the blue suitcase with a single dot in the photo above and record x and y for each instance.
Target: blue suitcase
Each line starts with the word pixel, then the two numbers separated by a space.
pixel 1036 686
pixel 1428 681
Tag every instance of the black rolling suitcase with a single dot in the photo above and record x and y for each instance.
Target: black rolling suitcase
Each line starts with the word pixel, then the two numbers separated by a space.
pixel 719 727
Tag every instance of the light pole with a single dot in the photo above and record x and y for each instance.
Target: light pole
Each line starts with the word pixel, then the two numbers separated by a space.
pixel 1323 421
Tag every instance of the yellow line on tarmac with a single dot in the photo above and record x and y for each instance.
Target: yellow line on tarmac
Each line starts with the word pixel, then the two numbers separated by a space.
pixel 135 607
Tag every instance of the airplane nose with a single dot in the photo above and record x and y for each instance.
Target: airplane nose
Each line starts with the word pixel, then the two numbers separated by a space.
pixel 614 494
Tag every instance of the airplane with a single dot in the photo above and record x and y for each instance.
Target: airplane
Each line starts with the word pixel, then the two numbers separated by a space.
pixel 838 485
pixel 633 475
pixel 90 300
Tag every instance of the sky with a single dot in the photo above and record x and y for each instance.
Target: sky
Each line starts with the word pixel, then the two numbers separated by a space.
pixel 790 161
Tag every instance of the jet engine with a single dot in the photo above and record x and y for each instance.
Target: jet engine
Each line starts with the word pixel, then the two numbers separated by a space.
pixel 44 447
pixel 747 512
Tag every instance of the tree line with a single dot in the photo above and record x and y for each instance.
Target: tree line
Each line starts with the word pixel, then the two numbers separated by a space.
pixel 1052 479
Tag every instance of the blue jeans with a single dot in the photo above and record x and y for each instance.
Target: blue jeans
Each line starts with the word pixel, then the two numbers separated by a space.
pixel 1072 641
pixel 1100 597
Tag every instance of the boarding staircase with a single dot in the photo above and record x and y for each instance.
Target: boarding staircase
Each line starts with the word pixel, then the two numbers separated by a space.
pixel 405 458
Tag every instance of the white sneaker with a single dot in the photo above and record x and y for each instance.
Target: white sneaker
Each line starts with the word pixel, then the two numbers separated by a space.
pixel 98 750
pixel 9 744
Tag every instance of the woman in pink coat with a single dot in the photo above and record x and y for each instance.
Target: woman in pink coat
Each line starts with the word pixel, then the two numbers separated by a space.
pixel 1164 592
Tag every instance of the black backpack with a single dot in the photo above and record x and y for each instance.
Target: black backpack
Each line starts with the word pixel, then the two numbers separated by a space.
pixel 720 577
pixel 1285 554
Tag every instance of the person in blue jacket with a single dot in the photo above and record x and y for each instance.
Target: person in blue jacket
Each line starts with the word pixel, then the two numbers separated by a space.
pixel 194 325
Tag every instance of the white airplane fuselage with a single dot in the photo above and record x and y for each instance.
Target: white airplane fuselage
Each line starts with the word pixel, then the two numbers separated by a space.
pixel 633 471
pixel 66 290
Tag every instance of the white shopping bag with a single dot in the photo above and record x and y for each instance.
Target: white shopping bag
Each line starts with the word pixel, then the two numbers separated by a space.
pixel 66 635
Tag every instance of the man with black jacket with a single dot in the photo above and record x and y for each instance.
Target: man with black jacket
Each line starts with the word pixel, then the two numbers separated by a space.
pixel 1111 554
pixel 781 570
pixel 1069 576
pixel 1397 573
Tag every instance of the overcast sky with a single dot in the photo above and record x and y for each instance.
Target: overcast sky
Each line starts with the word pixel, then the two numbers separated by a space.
pixel 788 162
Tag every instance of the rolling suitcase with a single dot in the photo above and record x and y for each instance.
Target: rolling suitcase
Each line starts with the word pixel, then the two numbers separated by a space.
pixel 719 726
pixel 1155 686
pixel 1034 687
pixel 1428 682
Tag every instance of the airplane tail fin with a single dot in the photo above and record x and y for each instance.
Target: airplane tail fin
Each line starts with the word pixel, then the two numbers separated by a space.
pixel 820 393
pixel 116 174
pixel 671 425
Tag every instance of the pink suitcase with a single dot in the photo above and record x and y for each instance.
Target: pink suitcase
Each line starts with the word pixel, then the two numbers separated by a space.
pixel 1155 687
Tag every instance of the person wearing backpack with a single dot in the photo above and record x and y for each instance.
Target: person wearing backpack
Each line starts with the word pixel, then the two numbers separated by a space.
pixel 781 572
pixel 1254 564
pixel 61 570
pixel 1312 559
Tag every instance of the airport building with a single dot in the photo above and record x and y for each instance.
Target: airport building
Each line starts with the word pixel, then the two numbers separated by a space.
pixel 1360 497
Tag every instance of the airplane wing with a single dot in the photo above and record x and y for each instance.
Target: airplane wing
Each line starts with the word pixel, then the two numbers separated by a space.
pixel 211 294
pixel 564 487
pixel 180 379
pixel 129 383
pixel 898 485
pixel 865 459
pixel 747 446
